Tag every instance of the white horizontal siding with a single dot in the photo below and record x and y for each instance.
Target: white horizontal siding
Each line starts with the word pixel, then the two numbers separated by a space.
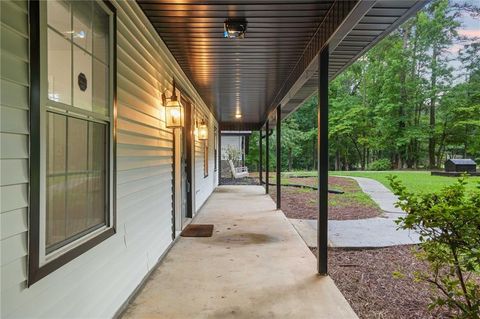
pixel 14 80
pixel 13 120
pixel 14 171
pixel 13 222
pixel 95 284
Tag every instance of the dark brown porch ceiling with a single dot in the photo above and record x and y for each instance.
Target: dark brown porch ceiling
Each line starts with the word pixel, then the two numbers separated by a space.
pixel 251 75
pixel 236 74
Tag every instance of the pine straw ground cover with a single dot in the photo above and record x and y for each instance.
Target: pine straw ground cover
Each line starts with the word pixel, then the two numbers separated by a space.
pixel 301 203
pixel 379 283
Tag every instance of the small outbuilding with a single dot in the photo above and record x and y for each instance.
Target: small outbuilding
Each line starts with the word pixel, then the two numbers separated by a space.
pixel 460 165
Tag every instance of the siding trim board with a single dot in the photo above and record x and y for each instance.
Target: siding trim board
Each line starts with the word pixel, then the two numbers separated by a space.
pixel 35 270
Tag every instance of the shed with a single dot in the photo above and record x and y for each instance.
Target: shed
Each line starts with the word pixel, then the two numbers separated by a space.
pixel 460 165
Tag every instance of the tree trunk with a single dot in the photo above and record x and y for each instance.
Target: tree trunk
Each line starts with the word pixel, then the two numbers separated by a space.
pixel 290 159
pixel 368 157
pixel 337 160
pixel 433 99
pixel 403 98
pixel 364 156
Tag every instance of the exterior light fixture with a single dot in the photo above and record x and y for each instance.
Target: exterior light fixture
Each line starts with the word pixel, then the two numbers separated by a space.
pixel 238 116
pixel 234 28
pixel 203 131
pixel 173 110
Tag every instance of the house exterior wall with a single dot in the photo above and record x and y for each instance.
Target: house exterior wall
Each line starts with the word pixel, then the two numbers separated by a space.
pixel 99 281
pixel 14 137
pixel 204 183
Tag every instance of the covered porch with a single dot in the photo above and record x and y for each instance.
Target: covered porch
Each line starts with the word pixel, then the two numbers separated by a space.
pixel 157 84
pixel 254 265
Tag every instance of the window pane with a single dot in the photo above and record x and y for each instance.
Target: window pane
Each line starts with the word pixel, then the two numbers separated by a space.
pixel 82 24
pixel 56 147
pixel 100 88
pixel 100 33
pixel 77 180
pixel 77 176
pixel 58 15
pixel 82 79
pixel 59 68
pixel 97 178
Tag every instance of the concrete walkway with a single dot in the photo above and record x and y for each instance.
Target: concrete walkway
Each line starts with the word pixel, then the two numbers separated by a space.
pixel 379 193
pixel 254 266
pixel 363 233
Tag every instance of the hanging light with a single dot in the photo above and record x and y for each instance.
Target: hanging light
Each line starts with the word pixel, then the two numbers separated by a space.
pixel 203 131
pixel 173 111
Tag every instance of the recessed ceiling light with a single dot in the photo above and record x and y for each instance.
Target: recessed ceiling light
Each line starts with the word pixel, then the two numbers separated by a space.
pixel 234 28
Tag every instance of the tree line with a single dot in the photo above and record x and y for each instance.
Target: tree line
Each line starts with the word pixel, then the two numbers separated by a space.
pixel 403 105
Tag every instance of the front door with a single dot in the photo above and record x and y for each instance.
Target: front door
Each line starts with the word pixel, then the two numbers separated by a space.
pixel 180 182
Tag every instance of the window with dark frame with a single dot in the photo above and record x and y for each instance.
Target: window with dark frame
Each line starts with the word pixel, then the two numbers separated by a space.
pixel 77 110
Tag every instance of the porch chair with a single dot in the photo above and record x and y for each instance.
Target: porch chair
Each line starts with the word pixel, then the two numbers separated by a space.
pixel 238 172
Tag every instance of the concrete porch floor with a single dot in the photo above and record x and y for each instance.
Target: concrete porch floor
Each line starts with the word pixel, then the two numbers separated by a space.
pixel 254 266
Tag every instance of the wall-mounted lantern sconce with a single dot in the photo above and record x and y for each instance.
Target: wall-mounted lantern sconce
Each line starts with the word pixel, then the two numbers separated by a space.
pixel 173 110
pixel 203 131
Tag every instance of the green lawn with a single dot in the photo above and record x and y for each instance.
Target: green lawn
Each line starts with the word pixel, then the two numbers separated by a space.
pixel 420 181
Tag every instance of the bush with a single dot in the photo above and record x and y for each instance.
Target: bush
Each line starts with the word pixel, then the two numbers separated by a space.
pixel 449 226
pixel 380 165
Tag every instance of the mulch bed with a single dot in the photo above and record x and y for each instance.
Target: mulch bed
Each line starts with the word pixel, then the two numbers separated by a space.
pixel 239 181
pixel 302 203
pixel 378 283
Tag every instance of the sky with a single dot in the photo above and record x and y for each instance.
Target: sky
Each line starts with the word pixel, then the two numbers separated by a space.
pixel 470 28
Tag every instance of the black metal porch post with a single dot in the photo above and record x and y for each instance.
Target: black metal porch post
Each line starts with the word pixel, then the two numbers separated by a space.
pixel 322 149
pixel 279 159
pixel 267 157
pixel 219 159
pixel 260 157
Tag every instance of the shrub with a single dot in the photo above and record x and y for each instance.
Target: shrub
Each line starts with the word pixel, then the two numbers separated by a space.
pixel 380 165
pixel 448 223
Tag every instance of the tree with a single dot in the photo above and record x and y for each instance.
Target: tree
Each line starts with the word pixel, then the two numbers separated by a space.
pixel 400 103
pixel 437 27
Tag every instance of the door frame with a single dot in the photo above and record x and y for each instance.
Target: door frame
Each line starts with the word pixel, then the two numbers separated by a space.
pixel 189 156
pixel 187 132
pixel 178 219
